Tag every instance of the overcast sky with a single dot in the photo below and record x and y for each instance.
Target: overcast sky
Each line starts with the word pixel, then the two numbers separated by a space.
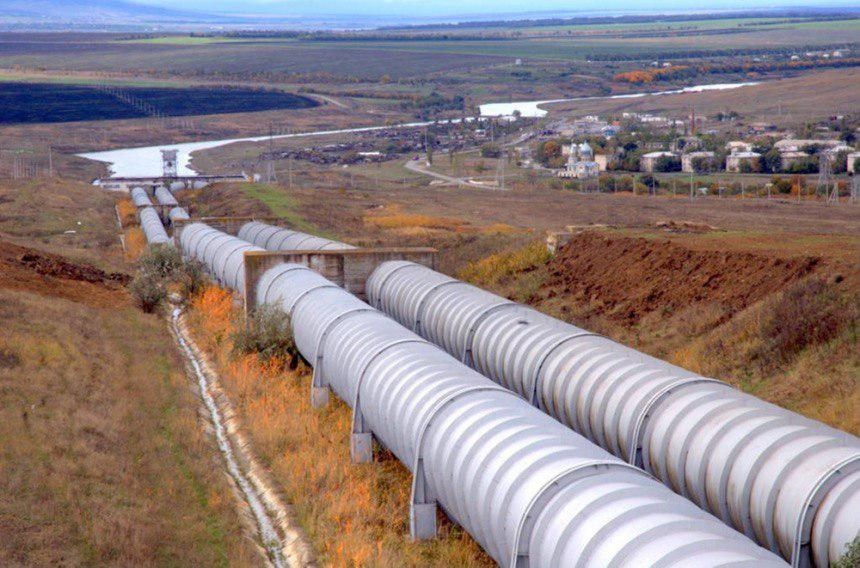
pixel 461 7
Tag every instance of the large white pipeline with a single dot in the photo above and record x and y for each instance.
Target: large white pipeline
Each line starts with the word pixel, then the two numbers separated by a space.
pixel 790 483
pixel 140 197
pixel 529 490
pixel 178 214
pixel 277 238
pixel 165 197
pixel 152 226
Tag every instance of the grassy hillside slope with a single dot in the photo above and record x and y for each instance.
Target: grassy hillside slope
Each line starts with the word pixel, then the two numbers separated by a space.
pixel 103 460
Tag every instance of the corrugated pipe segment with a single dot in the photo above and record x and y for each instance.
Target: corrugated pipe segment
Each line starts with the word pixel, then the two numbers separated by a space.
pixel 152 227
pixel 164 197
pixel 529 490
pixel 277 238
pixel 790 483
pixel 223 254
pixel 178 214
pixel 139 197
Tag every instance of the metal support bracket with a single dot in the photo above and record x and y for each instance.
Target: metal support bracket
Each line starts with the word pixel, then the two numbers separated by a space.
pixel 361 438
pixel 422 510
pixel 422 507
pixel 319 386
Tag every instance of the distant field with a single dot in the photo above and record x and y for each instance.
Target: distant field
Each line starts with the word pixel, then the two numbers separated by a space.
pixel 579 48
pixel 47 102
pixel 248 59
pixel 396 55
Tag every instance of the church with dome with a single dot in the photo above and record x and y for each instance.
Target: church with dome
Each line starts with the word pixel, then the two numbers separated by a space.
pixel 580 163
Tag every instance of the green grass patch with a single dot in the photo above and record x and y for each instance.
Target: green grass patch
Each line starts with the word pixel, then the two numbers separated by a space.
pixel 181 40
pixel 280 204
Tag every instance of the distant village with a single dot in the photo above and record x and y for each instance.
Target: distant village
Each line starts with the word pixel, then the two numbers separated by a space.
pixel 585 147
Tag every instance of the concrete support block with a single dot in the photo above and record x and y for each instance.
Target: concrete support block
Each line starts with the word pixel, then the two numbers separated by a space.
pixel 422 521
pixel 349 269
pixel 361 447
pixel 319 396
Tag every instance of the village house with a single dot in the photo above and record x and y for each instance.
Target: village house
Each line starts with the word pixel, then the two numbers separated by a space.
pixel 788 159
pixel 797 145
pixel 648 162
pixel 689 160
pixel 735 161
pixel 739 146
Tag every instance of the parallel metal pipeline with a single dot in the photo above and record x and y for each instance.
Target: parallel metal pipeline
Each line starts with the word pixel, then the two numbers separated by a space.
pixel 140 197
pixel 165 197
pixel 223 254
pixel 790 483
pixel 178 214
pixel 152 227
pixel 529 490
pixel 277 238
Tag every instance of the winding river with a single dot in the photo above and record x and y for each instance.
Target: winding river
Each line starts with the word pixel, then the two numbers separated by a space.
pixel 146 161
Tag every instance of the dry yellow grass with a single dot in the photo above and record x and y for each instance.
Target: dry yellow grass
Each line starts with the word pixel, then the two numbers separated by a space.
pixel 127 212
pixel 393 217
pixel 820 379
pixel 103 461
pixel 355 514
pixel 135 243
pixel 500 229
pixel 498 270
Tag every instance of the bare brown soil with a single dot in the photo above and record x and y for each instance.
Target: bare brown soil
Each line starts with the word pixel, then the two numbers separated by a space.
pixel 662 275
pixel 33 271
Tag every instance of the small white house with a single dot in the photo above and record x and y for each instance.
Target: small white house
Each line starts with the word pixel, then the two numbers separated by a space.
pixel 648 161
pixel 689 160
pixel 852 157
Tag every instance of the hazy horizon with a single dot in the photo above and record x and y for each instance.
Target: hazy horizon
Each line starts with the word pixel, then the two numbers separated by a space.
pixel 480 8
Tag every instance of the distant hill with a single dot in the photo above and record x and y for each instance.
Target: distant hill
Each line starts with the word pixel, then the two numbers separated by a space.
pixel 47 13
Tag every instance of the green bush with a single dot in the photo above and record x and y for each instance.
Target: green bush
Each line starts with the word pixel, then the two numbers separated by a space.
pixel 851 558
pixel 667 164
pixel 161 268
pixel 267 333
pixel 193 277
pixel 148 291
pixel 490 150
pixel 161 260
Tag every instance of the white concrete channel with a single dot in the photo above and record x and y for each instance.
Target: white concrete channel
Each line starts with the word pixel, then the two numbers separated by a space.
pixel 266 513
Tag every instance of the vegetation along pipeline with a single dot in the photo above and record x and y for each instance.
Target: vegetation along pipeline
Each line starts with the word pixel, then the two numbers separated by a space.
pixel 529 490
pixel 790 483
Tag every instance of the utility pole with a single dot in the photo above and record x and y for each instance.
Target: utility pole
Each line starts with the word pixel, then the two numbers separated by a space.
pixel 271 176
pixel 500 175
pixel 691 186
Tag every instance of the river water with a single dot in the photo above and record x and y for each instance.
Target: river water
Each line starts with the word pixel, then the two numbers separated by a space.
pixel 146 161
